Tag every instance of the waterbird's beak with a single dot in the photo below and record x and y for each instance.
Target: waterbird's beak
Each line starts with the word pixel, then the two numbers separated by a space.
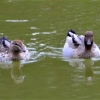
pixel 23 48
pixel 89 42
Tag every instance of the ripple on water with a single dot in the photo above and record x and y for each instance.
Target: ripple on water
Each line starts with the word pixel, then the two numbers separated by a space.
pixel 33 28
pixel 37 33
pixel 96 72
pixel 16 20
pixel 42 53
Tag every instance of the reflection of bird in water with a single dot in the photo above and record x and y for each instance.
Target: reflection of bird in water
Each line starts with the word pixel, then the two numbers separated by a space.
pixel 16 72
pixel 89 75
pixel 87 64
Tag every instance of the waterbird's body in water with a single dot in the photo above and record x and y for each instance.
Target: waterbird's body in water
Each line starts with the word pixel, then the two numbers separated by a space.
pixel 80 46
pixel 18 51
pixel 14 50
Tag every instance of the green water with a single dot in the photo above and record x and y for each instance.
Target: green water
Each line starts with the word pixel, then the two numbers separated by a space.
pixel 42 26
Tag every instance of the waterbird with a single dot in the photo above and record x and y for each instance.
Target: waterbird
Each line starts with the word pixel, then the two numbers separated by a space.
pixel 17 51
pixel 82 46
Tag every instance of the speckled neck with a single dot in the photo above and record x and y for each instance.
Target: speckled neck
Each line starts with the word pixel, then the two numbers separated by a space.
pixel 87 54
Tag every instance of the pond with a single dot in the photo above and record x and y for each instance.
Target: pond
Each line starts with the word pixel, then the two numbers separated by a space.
pixel 42 26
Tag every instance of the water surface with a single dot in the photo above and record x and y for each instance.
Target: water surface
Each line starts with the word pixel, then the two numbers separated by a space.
pixel 42 26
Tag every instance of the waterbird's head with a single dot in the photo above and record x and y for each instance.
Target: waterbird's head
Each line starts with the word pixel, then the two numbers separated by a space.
pixel 17 47
pixel 88 39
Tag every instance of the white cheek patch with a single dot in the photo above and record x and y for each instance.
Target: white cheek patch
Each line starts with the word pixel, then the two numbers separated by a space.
pixel 89 42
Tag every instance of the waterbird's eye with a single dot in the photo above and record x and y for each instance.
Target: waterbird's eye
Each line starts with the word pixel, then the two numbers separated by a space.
pixel 15 43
